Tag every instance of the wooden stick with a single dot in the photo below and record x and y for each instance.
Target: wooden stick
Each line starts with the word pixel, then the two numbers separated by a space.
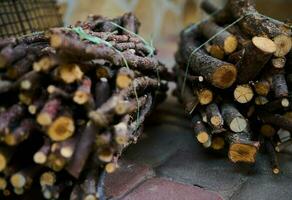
pixel 273 157
pixel 279 85
pixel 201 132
pixel 241 148
pixel 232 117
pixel 257 54
pixel 62 128
pixel 225 41
pixel 243 93
pixel 48 112
pixel 284 45
pixel 219 73
pixel 214 116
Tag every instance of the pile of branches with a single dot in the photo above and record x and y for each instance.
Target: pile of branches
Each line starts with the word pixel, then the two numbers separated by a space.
pixel 71 100
pixel 234 73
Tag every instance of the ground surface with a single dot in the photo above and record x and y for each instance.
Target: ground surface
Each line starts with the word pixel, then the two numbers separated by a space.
pixel 168 164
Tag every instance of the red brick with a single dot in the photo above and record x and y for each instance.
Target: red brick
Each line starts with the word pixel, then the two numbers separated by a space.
pixel 128 176
pixel 160 189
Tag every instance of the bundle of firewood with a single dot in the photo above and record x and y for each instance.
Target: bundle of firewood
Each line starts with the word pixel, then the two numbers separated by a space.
pixel 71 101
pixel 234 71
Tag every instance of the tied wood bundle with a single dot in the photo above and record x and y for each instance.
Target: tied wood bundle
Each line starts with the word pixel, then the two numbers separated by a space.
pixel 71 101
pixel 233 78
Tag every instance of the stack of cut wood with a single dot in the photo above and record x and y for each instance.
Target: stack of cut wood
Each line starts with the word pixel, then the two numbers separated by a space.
pixel 235 87
pixel 71 101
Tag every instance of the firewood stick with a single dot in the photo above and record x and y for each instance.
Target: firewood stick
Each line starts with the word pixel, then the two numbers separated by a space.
pixel 191 78
pixel 280 147
pixel 279 63
pixel 276 120
pixel 48 112
pixel 276 105
pixel 70 73
pixel 45 64
pixel 48 178
pixel 24 178
pixel 41 156
pixel 36 105
pixel 6 154
pixel 215 51
pixel 130 22
pixel 66 44
pixel 205 96
pixel 267 130
pixel 284 45
pixel 201 132
pixel 232 117
pixel 10 54
pixel 124 78
pixel 83 93
pixel 243 93
pixel 3 183
pixel 257 54
pixel 262 87
pixel 189 100
pixel 218 143
pixel 123 107
pixel 21 133
pixel 9 116
pixel 253 24
pixel 84 146
pixel 21 67
pixel 62 128
pixel 226 41
pixel 241 148
pixel 220 17
pixel 273 156
pixel 261 100
pixel 103 115
pixel 105 72
pixel 102 92
pixel 219 73
pixel 56 92
pixel 283 135
pixel 279 85
pixel 103 139
pixel 30 80
pixel 214 116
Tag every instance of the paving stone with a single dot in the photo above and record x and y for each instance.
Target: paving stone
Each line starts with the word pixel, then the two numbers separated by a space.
pixel 206 170
pixel 266 187
pixel 160 189
pixel 128 176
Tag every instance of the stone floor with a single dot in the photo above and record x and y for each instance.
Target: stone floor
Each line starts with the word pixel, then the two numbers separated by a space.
pixel 167 163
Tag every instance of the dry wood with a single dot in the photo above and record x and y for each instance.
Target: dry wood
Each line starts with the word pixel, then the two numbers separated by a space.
pixel 205 96
pixel 284 45
pixel 262 87
pixel 279 85
pixel 243 93
pixel 241 148
pixel 257 54
pixel 48 112
pixel 214 117
pixel 219 73
pixel 201 131
pixel 232 117
pixel 273 157
pixel 225 41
